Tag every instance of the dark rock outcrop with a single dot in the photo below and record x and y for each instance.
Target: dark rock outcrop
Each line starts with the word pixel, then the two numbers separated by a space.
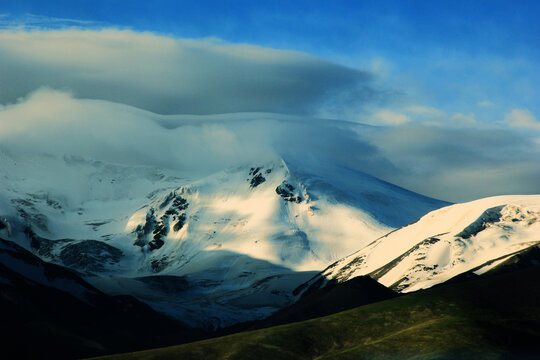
pixel 256 177
pixel 89 255
pixel 173 218
pixel 288 193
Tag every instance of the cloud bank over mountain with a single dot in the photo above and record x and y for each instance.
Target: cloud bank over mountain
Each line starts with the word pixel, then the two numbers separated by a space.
pixel 176 76
pixel 448 163
pixel 140 98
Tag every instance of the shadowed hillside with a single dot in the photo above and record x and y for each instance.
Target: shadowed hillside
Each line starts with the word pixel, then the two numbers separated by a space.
pixel 490 317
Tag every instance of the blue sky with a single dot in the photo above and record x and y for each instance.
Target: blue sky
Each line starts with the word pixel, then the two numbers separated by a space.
pixel 494 26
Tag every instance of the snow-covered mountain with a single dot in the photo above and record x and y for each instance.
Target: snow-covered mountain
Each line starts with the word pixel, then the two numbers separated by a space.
pixel 213 219
pixel 217 219
pixel 476 236
pixel 227 247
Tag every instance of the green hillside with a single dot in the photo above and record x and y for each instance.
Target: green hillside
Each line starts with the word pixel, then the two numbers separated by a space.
pixel 493 317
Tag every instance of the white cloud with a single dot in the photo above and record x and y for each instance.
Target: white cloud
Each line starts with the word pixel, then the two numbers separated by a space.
pixel 39 22
pixel 169 75
pixel 380 66
pixel 454 164
pixel 423 115
pixel 424 110
pixel 55 123
pixel 522 118
pixel 455 160
pixel 459 164
pixel 386 117
pixel 463 119
pixel 485 103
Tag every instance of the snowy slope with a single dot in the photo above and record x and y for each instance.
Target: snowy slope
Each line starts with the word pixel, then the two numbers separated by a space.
pixel 237 241
pixel 445 243
pixel 214 219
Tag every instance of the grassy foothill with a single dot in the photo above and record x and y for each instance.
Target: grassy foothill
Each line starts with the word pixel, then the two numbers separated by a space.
pixel 491 317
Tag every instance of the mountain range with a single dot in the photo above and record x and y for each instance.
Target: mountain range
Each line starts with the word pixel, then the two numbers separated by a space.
pixel 139 250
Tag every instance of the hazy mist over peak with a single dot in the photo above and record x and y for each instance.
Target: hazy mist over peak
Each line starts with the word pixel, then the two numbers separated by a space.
pixel 54 122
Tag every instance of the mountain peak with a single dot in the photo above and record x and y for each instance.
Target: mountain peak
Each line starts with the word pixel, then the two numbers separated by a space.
pixel 446 242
